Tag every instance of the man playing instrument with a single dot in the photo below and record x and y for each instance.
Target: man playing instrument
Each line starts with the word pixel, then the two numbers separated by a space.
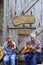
pixel 31 58
pixel 9 47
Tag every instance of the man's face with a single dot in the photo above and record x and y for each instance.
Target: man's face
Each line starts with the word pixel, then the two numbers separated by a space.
pixel 33 39
pixel 9 39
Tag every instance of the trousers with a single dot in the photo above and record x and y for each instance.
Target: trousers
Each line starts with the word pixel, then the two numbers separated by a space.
pixel 31 58
pixel 10 58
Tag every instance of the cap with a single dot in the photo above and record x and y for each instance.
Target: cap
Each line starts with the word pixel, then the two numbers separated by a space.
pixel 9 36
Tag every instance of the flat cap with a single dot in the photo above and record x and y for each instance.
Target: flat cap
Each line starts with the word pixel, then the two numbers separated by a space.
pixel 9 36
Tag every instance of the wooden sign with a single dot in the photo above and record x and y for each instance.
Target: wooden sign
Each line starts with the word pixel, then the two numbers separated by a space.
pixel 24 19
pixel 23 31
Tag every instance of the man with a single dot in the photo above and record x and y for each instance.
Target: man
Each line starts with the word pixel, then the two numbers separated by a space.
pixel 9 51
pixel 31 58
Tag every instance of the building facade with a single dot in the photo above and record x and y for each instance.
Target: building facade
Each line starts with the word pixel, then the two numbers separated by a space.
pixel 13 8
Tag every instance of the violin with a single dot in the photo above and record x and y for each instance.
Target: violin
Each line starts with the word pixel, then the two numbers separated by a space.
pixel 10 44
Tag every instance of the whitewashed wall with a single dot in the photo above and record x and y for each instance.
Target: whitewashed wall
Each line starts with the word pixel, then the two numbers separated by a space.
pixel 17 7
pixel 37 10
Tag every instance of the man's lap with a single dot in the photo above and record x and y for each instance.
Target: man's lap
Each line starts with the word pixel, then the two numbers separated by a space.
pixel 31 55
pixel 8 57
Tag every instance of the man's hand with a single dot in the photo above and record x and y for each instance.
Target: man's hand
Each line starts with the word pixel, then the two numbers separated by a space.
pixel 12 48
pixel 32 47
pixel 38 51
pixel 4 51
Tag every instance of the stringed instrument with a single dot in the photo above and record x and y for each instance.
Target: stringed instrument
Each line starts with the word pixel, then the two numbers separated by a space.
pixel 28 48
pixel 2 52
pixel 10 44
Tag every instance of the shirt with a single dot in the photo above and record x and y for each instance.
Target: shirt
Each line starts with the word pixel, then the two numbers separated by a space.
pixel 8 49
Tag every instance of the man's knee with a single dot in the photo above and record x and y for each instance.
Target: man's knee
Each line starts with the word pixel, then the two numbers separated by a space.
pixel 5 59
pixel 27 56
pixel 13 57
pixel 34 58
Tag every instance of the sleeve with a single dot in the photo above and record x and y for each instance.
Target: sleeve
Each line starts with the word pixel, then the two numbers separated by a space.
pixel 29 42
pixel 14 44
pixel 4 45
pixel 40 45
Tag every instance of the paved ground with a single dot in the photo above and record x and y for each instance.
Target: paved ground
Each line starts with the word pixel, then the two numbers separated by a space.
pixel 19 64
pixel 39 64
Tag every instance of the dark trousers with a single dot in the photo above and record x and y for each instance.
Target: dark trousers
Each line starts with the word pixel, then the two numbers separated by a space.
pixel 31 58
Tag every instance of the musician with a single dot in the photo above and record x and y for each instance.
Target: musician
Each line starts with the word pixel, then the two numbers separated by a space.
pixel 9 47
pixel 31 58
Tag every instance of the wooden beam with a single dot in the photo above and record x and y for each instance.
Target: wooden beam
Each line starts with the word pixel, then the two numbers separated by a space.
pixel 23 28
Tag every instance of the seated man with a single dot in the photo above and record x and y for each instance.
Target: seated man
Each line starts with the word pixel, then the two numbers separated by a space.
pixel 36 47
pixel 9 47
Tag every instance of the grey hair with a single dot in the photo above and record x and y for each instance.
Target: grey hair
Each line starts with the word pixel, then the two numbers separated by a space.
pixel 32 35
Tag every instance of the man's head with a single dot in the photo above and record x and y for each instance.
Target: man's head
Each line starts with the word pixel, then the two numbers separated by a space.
pixel 33 37
pixel 9 38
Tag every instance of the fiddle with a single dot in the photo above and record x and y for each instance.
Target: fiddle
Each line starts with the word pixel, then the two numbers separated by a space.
pixel 10 44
